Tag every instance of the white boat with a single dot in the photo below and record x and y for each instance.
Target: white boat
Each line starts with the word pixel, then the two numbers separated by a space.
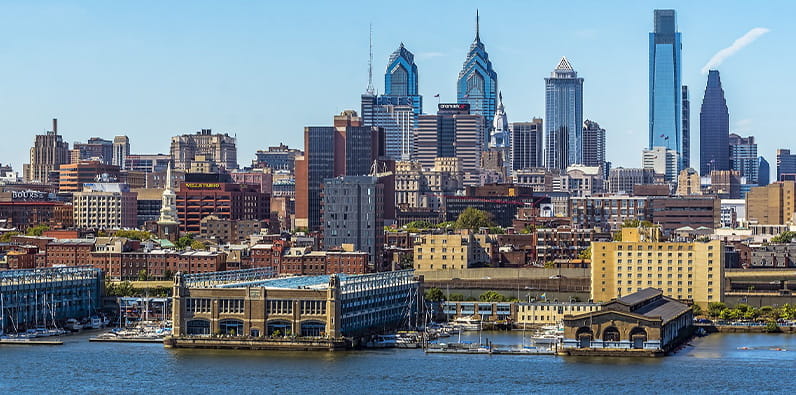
pixel 466 324
pixel 73 325
pixel 94 322
pixel 383 341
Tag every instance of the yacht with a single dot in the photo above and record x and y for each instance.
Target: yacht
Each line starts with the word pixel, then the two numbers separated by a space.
pixel 467 324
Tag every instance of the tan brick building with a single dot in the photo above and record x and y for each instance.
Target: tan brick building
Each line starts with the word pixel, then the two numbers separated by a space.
pixel 773 204
pixel 452 251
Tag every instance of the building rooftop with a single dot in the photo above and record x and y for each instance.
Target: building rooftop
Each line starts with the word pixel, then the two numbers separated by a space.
pixel 640 296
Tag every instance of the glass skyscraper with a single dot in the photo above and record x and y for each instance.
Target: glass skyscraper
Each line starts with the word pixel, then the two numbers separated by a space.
pixel 664 85
pixel 477 84
pixel 563 117
pixel 400 79
pixel 714 128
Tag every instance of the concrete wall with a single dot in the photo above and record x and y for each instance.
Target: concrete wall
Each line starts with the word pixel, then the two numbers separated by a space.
pixel 503 273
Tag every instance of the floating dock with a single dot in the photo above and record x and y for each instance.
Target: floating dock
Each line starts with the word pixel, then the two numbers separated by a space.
pixel 30 342
pixel 126 340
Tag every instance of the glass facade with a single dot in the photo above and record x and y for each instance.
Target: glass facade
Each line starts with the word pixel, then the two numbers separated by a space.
pixel 665 101
pixel 477 83
pixel 714 128
pixel 564 117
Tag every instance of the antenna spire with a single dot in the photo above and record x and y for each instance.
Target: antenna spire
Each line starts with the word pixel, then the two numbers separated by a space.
pixel 370 62
pixel 477 26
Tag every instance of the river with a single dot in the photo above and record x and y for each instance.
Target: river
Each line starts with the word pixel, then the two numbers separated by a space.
pixel 713 364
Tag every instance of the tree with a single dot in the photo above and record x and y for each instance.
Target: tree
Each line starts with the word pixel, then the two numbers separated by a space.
pixel 456 297
pixel 616 236
pixel 434 295
pixel 184 241
pixel 634 223
pixel 491 296
pixel 784 237
pixel 585 254
pixel 715 309
pixel 696 309
pixel 473 219
pixel 37 230
pixel 142 275
pixel 497 230
pixel 133 234
pixel 198 245
pixel 6 237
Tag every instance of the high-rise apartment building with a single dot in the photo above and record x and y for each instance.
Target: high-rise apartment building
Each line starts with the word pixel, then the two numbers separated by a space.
pixel 563 117
pixel 665 89
pixel 48 153
pixel 346 149
pixel 526 144
pixel 786 163
pixel 714 127
pixel 121 148
pixel 105 205
pixel 593 144
pixel 453 133
pixel 217 148
pixel 743 157
pixel 477 83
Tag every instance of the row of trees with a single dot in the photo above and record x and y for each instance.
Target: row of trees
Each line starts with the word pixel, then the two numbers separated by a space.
pixel 744 311
pixel 471 218
pixel 37 230
pixel 126 289
pixel 436 295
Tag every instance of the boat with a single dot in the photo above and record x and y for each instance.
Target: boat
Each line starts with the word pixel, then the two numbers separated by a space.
pixel 95 322
pixel 466 324
pixel 383 341
pixel 73 325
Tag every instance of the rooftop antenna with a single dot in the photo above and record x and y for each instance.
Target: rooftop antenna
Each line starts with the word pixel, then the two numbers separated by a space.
pixel 477 26
pixel 370 61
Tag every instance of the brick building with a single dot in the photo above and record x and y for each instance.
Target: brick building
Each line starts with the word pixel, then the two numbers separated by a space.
pixel 221 198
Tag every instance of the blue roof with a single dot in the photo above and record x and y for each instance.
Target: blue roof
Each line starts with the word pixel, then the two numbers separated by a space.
pixel 297 282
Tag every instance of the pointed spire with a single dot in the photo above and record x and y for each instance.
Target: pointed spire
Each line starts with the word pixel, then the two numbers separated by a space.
pixel 564 64
pixel 168 176
pixel 370 89
pixel 477 26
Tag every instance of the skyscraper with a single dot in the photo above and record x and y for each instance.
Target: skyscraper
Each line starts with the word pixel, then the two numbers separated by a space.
pixel 685 154
pixel 714 128
pixel 743 157
pixel 401 77
pixel 526 144
pixel 664 85
pixel 763 172
pixel 593 144
pixel 477 84
pixel 452 133
pixel 564 117
pixel 353 213
pixel 121 149
pixel 48 153
pixel 786 163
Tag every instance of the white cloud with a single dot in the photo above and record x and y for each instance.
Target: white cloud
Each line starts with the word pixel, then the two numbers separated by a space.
pixel 736 46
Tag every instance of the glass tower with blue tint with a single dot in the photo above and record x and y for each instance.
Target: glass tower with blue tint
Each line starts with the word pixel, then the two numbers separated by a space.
pixel 400 79
pixel 665 89
pixel 477 84
pixel 714 128
pixel 563 117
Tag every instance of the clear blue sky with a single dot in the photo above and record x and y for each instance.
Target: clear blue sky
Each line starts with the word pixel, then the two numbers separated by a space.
pixel 264 70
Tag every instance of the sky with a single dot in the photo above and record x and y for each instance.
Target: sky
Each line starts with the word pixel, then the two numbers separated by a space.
pixel 263 70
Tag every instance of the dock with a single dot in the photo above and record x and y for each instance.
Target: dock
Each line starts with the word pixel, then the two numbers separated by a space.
pixel 126 340
pixel 463 348
pixel 244 343
pixel 29 342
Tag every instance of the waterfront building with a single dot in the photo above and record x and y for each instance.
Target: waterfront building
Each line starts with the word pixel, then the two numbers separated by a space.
pixel 95 149
pixel 773 204
pixel 526 144
pixel 714 127
pixel 665 89
pixel 121 148
pixel 250 304
pixel 645 321
pixel 542 313
pixel 496 312
pixel 622 180
pixel 563 117
pixel 683 270
pixel 743 157
pixel 452 133
pixel 663 161
pixel 73 175
pixel 689 183
pixel 218 148
pixel 353 214
pixel 786 163
pixel 48 153
pixel 452 251
pixel 202 195
pixel 33 296
pixel 763 172
pixel 105 205
pixel 477 83
pixel 593 144
pixel 279 157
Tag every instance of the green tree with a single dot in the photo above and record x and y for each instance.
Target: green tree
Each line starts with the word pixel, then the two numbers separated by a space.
pixel 585 254
pixel 168 274
pixel 772 327
pixel 456 298
pixel 446 225
pixel 6 237
pixel 784 237
pixel 491 296
pixel 184 241
pixel 142 275
pixel 715 309
pixel 549 264
pixel 497 230
pixel 133 234
pixel 37 230
pixel 198 245
pixel 634 223
pixel 434 295
pixel 473 219
pixel 696 309
pixel 616 236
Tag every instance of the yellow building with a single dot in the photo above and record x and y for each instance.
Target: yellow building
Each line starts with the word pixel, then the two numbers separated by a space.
pixel 550 313
pixel 682 270
pixel 773 204
pixel 452 251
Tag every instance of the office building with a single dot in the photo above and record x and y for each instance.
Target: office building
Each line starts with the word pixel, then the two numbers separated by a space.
pixel 147 163
pixel 72 176
pixel 202 195
pixel 218 148
pixel 526 144
pixel 743 157
pixel 685 153
pixel 563 117
pixel 763 172
pixel 105 205
pixel 786 163
pixel 622 180
pixel 671 213
pixel 689 183
pixel 279 157
pixel 682 270
pixel 95 149
pixel 453 133
pixel 477 82
pixel 48 153
pixel 593 144
pixel 714 127
pixel 665 89
pixel 121 148
pixel 773 204
pixel 353 214
pixel 662 160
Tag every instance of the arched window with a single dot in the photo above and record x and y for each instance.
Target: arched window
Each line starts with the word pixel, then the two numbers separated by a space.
pixel 231 327
pixel 313 329
pixel 198 327
pixel 611 334
pixel 638 336
pixel 278 328
pixel 584 336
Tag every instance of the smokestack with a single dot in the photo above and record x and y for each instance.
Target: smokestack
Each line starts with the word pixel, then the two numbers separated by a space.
pixel 55 125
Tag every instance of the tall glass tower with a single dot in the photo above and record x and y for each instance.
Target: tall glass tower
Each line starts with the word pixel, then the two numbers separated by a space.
pixel 400 79
pixel 665 89
pixel 563 117
pixel 477 84
pixel 714 128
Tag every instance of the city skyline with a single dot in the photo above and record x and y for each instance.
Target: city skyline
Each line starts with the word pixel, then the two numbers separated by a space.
pixel 148 84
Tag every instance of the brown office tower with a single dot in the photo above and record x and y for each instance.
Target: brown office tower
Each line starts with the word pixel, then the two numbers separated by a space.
pixel 74 175
pixel 215 194
pixel 49 151
pixel 345 149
